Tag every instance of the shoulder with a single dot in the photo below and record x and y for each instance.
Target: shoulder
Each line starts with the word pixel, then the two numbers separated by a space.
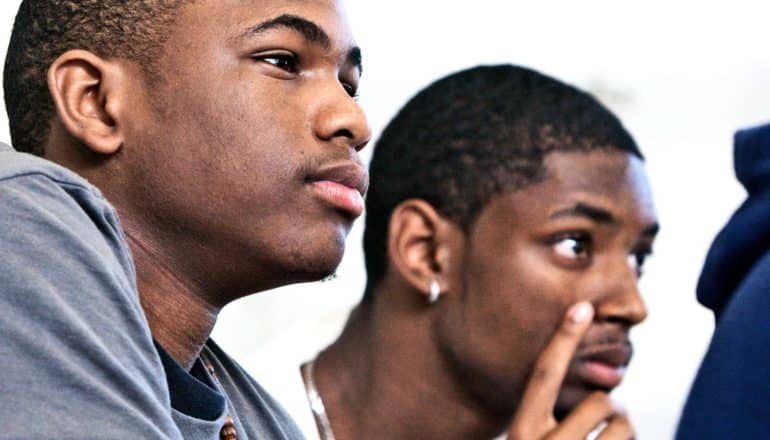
pixel 63 253
pixel 49 211
pixel 252 402
pixel 719 404
pixel 281 376
pixel 33 184
pixel 14 164
pixel 72 320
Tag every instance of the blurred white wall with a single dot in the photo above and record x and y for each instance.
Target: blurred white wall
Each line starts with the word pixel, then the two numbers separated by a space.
pixel 683 75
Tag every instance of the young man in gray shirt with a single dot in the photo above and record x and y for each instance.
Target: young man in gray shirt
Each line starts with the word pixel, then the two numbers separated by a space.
pixel 225 135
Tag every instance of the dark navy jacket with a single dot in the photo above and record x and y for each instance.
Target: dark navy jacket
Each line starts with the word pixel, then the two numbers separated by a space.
pixel 730 398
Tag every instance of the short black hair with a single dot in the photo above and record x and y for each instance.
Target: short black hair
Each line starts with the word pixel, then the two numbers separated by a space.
pixel 475 134
pixel 45 29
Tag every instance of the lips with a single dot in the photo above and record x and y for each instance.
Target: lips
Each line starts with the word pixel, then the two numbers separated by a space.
pixel 603 366
pixel 342 186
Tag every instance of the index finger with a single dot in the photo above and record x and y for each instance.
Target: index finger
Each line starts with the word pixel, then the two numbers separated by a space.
pixel 551 366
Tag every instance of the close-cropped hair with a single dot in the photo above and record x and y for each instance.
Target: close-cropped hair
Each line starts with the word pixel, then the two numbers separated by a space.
pixel 45 29
pixel 473 135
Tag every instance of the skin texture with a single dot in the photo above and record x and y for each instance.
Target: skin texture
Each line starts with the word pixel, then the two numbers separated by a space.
pixel 506 287
pixel 214 164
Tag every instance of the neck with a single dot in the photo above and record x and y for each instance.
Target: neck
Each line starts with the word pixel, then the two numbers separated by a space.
pixel 180 280
pixel 387 363
pixel 179 317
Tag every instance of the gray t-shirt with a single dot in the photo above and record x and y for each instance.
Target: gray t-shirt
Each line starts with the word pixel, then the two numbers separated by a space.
pixel 76 353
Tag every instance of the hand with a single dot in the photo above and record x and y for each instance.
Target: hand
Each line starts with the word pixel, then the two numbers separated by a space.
pixel 535 420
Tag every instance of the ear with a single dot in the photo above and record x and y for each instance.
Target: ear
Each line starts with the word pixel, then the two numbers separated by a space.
pixel 421 245
pixel 87 97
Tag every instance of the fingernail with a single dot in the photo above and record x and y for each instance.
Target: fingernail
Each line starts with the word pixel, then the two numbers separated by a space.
pixel 580 313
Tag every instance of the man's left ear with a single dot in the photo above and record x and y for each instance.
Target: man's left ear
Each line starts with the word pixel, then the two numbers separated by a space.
pixel 89 94
pixel 422 247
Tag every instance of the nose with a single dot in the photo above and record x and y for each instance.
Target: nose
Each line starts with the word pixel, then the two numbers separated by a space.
pixel 341 120
pixel 620 299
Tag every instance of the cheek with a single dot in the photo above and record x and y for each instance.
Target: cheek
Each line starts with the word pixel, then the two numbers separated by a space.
pixel 513 306
pixel 526 291
pixel 226 163
pixel 505 313
pixel 242 135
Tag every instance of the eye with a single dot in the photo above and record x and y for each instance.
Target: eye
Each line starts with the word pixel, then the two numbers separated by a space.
pixel 351 90
pixel 636 261
pixel 572 247
pixel 284 61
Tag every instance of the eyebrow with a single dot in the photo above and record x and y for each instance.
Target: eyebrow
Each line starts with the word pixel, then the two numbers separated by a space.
pixel 594 213
pixel 599 215
pixel 312 32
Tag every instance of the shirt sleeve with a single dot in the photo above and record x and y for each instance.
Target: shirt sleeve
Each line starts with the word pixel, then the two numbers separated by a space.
pixel 77 355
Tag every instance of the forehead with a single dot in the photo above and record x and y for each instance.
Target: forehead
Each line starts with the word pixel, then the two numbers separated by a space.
pixel 603 172
pixel 612 180
pixel 230 19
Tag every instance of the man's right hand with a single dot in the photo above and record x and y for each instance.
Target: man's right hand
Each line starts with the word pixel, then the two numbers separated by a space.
pixel 535 419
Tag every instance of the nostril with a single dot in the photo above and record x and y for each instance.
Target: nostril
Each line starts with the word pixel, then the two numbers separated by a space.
pixel 344 133
pixel 362 145
pixel 618 320
pixel 355 142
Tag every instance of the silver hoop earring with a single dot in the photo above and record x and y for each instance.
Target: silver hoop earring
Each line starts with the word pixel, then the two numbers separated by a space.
pixel 435 292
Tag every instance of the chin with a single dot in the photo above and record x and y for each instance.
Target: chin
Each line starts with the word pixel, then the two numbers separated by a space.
pixel 570 397
pixel 566 403
pixel 317 260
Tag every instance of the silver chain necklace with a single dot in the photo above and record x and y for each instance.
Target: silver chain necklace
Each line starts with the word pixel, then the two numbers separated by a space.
pixel 316 402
